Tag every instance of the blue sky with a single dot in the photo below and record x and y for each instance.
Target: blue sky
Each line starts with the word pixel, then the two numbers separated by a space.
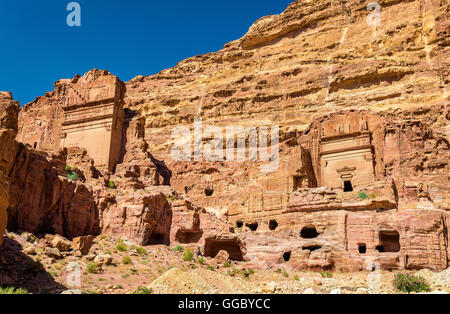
pixel 127 37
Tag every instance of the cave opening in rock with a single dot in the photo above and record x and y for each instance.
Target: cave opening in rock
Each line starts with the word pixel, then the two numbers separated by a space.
pixel 239 224
pixel 390 241
pixel 253 226
pixel 213 246
pixel 158 238
pixel 287 256
pixel 297 182
pixel 35 145
pixel 362 248
pixel 209 192
pixel 186 237
pixel 348 187
pixel 311 248
pixel 309 232
pixel 273 224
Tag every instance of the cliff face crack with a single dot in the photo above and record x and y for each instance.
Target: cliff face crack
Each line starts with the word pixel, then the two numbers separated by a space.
pixel 446 236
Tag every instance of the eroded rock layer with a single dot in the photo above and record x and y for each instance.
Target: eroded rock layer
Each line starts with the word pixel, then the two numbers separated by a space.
pixel 8 130
pixel 361 102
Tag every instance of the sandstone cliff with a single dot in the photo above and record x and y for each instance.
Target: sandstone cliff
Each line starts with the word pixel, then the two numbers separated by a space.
pixel 8 130
pixel 362 107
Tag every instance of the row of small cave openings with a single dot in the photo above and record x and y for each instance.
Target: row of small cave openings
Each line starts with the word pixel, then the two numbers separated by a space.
pixel 389 240
pixel 308 232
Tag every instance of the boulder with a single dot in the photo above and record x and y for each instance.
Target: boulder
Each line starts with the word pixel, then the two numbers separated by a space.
pixel 222 257
pixel 103 260
pixel 53 252
pixel 83 244
pixel 62 244
pixel 30 250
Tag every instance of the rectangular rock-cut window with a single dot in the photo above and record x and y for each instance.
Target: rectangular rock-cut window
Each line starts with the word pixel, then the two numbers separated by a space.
pixel 390 241
pixel 362 248
pixel 348 187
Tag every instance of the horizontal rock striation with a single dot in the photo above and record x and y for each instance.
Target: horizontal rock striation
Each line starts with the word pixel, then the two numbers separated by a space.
pixel 361 102
pixel 8 130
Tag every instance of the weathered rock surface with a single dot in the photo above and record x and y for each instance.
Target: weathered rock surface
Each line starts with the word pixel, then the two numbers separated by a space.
pixel 63 245
pixel 144 218
pixel 8 130
pixel 362 178
pixel 83 244
pixel 43 200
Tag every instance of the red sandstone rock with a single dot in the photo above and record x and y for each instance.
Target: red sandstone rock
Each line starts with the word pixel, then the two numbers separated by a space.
pixel 43 200
pixel 222 257
pixel 143 218
pixel 83 244
pixel 363 172
pixel 63 245
pixel 8 130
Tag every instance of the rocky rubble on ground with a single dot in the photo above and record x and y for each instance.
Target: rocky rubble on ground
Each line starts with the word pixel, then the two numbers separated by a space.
pixel 43 268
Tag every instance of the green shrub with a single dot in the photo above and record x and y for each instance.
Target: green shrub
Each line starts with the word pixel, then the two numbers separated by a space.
pixel 141 250
pixel 326 274
pixel 285 274
pixel 112 185
pixel 363 196
pixel 122 247
pixel 296 278
pixel 178 248
pixel 188 255
pixel 143 290
pixel 71 174
pixel 210 268
pixel 173 198
pixel 12 290
pixel 226 265
pixel 53 273
pixel 373 196
pixel 247 273
pixel 126 260
pixel 92 268
pixel 201 260
pixel 409 283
